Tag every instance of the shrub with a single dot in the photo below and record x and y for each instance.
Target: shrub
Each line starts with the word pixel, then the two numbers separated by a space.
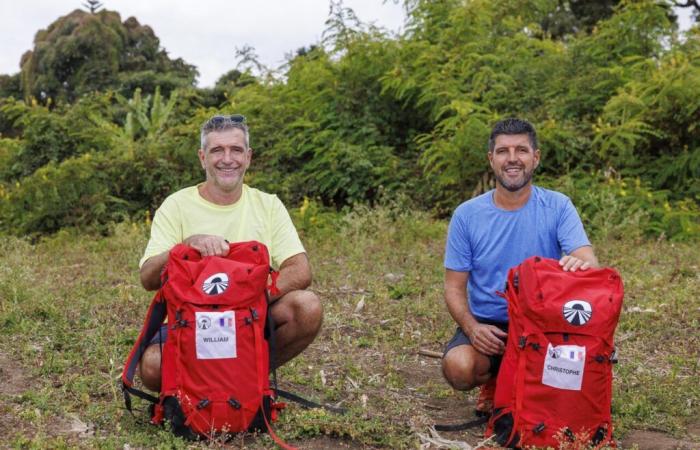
pixel 614 207
pixel 70 194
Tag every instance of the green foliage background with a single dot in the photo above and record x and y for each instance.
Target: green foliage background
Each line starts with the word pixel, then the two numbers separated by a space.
pixel 100 125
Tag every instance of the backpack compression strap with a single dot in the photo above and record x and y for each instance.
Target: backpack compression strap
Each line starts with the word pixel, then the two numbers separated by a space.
pixel 308 404
pixel 154 319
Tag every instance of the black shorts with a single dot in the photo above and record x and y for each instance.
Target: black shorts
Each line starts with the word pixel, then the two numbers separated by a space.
pixel 161 336
pixel 460 338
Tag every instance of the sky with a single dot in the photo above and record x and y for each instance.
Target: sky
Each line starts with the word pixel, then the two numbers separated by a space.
pixel 205 33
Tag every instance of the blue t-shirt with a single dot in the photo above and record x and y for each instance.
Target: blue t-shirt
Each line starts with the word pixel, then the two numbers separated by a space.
pixel 486 241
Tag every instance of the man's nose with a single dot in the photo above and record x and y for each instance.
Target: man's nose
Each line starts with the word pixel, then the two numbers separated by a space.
pixel 228 156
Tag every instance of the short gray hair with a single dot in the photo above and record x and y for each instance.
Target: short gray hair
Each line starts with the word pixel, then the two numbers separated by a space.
pixel 223 123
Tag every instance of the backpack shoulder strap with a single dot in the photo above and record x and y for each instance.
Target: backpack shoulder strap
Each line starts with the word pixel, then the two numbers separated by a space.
pixel 154 319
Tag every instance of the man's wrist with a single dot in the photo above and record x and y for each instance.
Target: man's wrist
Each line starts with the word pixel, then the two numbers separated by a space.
pixel 468 323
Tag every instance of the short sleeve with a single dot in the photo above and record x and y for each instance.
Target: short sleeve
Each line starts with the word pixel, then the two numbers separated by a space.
pixel 570 232
pixel 285 241
pixel 164 233
pixel 458 252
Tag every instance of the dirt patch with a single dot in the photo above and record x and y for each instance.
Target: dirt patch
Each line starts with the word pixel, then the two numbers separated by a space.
pixel 19 419
pixel 12 376
pixel 12 385
pixel 652 440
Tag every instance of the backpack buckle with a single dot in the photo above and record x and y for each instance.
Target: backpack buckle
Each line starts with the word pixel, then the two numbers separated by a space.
pixel 522 341
pixel 203 403
pixel 234 403
pixel 538 428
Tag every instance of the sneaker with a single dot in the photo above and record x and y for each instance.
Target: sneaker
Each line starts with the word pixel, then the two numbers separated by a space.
pixel 484 405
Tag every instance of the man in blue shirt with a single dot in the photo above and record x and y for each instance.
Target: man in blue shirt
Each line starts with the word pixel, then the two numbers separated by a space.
pixel 490 234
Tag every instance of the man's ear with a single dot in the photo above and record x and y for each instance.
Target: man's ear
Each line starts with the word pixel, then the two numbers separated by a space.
pixel 201 155
pixel 489 155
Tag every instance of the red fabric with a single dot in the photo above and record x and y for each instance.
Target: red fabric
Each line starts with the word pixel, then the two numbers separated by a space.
pixel 245 378
pixel 537 292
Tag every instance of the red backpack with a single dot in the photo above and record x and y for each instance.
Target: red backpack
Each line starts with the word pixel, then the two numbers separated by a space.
pixel 555 380
pixel 215 361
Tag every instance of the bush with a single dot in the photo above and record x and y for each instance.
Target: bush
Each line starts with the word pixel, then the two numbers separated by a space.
pixel 71 194
pixel 9 149
pixel 614 207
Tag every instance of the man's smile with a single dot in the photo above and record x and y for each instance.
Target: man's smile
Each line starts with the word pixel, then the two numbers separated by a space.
pixel 513 170
pixel 227 170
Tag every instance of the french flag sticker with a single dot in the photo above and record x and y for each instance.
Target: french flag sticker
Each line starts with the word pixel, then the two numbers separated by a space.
pixel 226 322
pixel 576 356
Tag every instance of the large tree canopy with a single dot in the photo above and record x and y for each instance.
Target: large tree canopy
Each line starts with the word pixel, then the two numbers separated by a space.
pixel 83 52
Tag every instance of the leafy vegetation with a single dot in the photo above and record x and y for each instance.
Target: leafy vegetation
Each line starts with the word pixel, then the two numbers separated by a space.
pixel 367 115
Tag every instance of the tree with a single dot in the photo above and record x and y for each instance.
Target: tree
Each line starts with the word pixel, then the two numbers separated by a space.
pixel 83 52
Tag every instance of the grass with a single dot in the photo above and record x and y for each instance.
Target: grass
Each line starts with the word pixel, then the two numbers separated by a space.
pixel 71 306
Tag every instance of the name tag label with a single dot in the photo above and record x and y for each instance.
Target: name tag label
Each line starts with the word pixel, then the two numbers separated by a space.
pixel 563 367
pixel 215 335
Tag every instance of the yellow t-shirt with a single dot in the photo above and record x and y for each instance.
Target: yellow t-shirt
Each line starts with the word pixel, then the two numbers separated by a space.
pixel 255 216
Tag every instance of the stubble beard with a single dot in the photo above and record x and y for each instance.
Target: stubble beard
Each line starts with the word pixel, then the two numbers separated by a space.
pixel 516 186
pixel 225 184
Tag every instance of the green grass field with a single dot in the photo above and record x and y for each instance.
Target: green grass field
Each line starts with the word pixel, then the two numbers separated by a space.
pixel 71 306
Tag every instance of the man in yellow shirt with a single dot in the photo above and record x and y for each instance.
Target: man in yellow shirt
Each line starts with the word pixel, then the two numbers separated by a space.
pixel 223 209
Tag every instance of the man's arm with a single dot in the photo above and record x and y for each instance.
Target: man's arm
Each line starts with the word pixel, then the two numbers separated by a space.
pixel 580 259
pixel 485 338
pixel 151 269
pixel 295 274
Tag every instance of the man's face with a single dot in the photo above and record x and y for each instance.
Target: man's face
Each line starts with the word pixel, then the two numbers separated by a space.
pixel 225 159
pixel 513 160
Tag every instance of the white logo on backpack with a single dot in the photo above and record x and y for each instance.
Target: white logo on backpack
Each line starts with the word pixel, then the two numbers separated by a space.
pixel 215 336
pixel 563 366
pixel 215 284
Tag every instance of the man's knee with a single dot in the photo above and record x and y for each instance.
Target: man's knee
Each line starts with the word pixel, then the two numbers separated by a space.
pixel 310 311
pixel 460 369
pixel 303 308
pixel 149 367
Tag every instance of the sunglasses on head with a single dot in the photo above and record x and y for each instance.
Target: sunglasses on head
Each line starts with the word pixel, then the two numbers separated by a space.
pixel 218 120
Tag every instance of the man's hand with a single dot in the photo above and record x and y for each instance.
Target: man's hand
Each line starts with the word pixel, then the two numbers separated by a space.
pixel 572 264
pixel 582 258
pixel 208 244
pixel 205 244
pixel 487 339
